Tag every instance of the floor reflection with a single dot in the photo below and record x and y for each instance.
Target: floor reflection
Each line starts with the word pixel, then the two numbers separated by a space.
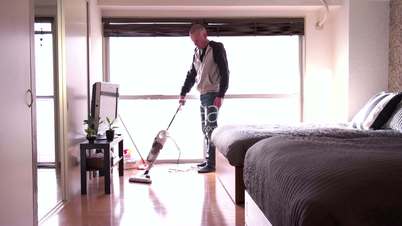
pixel 175 198
pixel 49 194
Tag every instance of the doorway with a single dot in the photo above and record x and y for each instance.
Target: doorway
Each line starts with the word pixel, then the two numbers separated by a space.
pixel 49 193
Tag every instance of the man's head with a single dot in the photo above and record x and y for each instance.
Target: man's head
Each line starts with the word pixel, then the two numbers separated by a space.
pixel 199 36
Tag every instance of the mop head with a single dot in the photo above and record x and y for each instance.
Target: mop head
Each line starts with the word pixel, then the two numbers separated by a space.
pixel 143 178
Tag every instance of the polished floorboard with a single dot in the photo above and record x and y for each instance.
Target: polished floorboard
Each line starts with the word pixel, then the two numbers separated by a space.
pixel 178 196
pixel 49 194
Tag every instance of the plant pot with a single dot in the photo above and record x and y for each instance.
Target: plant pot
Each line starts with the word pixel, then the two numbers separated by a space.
pixel 109 135
pixel 91 139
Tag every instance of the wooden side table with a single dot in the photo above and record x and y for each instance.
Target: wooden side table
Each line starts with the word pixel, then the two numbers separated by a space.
pixel 106 146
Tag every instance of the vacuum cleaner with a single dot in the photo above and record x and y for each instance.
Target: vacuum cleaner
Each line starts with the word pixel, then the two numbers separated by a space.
pixel 157 146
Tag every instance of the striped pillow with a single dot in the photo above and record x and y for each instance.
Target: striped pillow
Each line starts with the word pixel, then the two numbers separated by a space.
pixel 387 111
pixel 395 122
pixel 360 117
pixel 376 111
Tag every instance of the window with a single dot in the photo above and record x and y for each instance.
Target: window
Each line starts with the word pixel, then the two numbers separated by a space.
pixel 48 172
pixel 44 93
pixel 263 88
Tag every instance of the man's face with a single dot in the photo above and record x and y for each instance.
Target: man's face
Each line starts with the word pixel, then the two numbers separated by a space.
pixel 199 38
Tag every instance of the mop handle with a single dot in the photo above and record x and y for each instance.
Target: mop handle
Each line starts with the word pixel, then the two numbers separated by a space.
pixel 171 121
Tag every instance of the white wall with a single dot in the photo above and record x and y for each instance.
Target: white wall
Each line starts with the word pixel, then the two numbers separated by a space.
pixel 368 51
pixel 95 45
pixel 16 143
pixel 359 45
pixel 75 74
pixel 340 85
pixel 318 77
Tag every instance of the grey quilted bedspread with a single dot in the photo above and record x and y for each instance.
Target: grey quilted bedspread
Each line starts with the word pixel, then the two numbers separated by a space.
pixel 233 141
pixel 314 181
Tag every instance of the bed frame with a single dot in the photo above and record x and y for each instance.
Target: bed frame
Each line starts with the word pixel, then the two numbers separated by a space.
pixel 231 178
pixel 253 214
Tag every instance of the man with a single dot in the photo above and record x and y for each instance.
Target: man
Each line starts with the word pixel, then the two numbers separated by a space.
pixel 210 71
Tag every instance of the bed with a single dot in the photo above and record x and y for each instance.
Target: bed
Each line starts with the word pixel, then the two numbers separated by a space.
pixel 309 181
pixel 233 141
pixel 380 116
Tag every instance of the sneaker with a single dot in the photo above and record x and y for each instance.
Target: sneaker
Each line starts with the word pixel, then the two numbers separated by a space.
pixel 202 164
pixel 206 169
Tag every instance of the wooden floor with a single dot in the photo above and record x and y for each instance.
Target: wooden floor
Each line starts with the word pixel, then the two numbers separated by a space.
pixel 177 196
pixel 48 190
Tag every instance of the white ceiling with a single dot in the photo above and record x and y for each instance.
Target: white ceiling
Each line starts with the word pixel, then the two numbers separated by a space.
pixel 210 8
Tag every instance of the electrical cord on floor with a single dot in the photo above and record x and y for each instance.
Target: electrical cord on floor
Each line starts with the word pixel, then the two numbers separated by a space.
pixel 177 169
pixel 178 158
pixel 139 153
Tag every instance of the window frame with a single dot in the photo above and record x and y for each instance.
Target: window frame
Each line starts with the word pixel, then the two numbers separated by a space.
pixel 53 97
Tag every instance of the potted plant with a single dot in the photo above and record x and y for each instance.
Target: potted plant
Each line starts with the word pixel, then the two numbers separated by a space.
pixel 110 131
pixel 90 130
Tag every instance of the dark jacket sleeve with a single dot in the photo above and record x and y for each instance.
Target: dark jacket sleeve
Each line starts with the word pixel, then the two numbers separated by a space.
pixel 190 80
pixel 221 60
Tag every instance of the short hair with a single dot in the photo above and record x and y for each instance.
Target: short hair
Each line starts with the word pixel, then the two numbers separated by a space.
pixel 197 27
